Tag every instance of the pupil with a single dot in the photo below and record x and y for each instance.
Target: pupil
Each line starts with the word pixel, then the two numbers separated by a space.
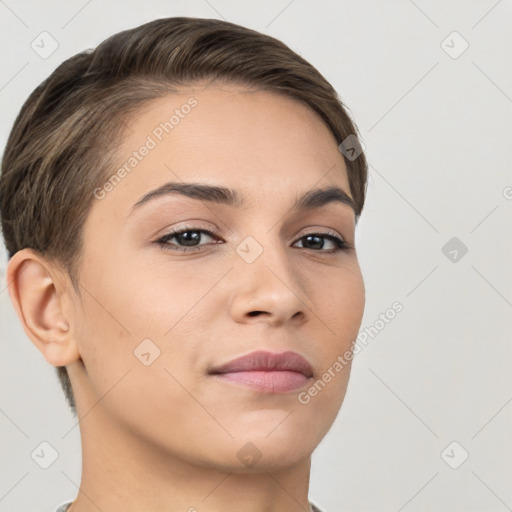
pixel 188 238
pixel 317 241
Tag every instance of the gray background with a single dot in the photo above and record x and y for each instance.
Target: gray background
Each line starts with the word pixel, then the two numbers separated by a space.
pixel 436 123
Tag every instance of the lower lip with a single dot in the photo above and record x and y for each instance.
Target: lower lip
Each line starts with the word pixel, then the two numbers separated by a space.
pixel 276 381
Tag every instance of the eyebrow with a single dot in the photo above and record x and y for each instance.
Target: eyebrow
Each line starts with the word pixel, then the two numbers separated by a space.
pixel 221 195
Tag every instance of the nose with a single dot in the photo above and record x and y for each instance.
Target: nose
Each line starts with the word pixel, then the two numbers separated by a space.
pixel 268 289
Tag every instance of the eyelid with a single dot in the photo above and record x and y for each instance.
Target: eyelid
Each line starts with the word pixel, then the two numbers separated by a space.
pixel 323 231
pixel 190 225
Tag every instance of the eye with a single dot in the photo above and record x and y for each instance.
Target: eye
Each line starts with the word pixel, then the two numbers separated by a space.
pixel 315 241
pixel 187 239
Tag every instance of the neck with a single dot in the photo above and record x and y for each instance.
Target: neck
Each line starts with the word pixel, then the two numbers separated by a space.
pixel 121 470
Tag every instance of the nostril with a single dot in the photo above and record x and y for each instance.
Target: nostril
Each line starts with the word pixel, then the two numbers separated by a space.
pixel 254 313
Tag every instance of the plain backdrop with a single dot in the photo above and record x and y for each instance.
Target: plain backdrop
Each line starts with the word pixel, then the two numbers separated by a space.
pixel 426 424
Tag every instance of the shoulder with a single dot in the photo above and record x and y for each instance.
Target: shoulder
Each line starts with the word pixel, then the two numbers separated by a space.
pixel 63 507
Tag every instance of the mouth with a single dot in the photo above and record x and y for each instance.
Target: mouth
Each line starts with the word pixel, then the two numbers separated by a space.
pixel 266 372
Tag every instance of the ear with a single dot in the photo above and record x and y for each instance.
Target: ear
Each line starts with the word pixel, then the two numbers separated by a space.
pixel 39 296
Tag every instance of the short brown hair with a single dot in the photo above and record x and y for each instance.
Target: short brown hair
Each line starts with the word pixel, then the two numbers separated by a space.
pixel 62 144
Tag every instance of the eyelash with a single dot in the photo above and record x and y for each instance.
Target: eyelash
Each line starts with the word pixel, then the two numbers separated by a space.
pixel 341 245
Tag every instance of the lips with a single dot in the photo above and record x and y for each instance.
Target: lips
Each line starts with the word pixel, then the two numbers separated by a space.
pixel 266 371
pixel 267 361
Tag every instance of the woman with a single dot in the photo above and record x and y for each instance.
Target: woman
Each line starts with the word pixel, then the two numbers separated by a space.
pixel 179 209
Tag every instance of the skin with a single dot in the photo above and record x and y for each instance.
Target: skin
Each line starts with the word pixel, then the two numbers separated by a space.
pixel 165 437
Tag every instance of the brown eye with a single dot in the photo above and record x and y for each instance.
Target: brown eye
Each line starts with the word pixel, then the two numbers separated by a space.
pixel 316 242
pixel 185 239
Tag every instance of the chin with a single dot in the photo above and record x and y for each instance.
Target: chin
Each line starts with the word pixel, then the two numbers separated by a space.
pixel 258 451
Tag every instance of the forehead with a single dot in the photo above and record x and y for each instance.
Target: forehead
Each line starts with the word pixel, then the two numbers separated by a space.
pixel 250 140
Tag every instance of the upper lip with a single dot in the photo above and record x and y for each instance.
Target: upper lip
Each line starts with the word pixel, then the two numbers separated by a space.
pixel 266 361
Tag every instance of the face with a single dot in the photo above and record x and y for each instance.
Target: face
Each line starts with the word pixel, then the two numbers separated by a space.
pixel 248 271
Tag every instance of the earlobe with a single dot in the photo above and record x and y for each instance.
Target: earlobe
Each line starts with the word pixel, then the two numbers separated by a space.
pixel 38 300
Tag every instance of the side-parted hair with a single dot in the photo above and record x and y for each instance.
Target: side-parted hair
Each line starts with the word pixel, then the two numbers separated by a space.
pixel 63 143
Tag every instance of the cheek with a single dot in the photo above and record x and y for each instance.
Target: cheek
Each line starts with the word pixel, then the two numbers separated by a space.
pixel 164 292
pixel 338 299
pixel 148 298
pixel 141 314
